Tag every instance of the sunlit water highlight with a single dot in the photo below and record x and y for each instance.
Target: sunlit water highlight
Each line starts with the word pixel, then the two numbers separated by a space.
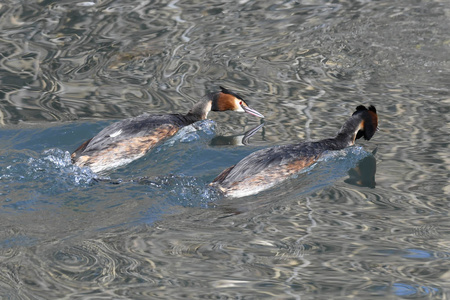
pixel 368 222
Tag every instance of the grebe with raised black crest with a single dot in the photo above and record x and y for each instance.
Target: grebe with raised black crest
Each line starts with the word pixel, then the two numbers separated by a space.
pixel 125 141
pixel 267 167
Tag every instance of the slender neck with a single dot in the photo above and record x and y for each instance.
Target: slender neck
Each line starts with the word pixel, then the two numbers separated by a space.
pixel 347 134
pixel 344 138
pixel 200 110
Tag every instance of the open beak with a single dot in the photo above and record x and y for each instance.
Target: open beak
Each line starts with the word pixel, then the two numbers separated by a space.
pixel 251 111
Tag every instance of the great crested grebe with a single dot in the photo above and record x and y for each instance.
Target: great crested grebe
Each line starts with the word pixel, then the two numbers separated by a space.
pixel 125 141
pixel 267 167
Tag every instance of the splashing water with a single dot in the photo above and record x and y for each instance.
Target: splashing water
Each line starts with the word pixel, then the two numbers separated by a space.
pixel 57 165
pixel 202 130
pixel 34 179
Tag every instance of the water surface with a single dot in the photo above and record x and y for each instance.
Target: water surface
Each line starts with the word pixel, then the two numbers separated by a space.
pixel 153 229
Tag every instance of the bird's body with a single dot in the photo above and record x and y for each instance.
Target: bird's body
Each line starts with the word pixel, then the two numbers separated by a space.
pixel 125 141
pixel 267 167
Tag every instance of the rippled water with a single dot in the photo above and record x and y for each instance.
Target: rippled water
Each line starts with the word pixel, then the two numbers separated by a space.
pixel 369 222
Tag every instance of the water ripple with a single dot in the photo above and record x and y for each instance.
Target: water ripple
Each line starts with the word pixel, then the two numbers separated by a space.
pixel 305 65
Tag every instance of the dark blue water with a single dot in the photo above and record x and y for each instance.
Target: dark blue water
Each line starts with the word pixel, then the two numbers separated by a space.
pixel 367 222
pixel 176 173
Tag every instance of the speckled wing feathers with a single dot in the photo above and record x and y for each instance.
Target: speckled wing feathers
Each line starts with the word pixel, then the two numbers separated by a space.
pixel 122 142
pixel 266 159
pixel 141 126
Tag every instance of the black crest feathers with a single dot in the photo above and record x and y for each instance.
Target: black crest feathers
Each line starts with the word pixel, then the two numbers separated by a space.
pixel 369 121
pixel 226 91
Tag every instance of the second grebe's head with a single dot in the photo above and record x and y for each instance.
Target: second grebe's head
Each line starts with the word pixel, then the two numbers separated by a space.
pixel 227 100
pixel 369 121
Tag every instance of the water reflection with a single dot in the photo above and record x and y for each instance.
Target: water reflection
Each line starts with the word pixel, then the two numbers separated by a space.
pixel 237 139
pixel 68 68
pixel 364 173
